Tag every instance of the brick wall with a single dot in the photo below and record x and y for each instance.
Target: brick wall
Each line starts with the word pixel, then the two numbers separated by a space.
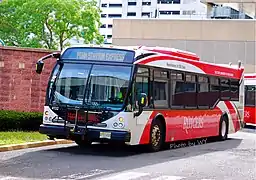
pixel 21 88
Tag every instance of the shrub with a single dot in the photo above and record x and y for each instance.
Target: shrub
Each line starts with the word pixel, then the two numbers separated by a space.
pixel 25 121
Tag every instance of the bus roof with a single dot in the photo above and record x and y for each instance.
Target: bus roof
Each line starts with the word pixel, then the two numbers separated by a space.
pixel 186 61
pixel 172 58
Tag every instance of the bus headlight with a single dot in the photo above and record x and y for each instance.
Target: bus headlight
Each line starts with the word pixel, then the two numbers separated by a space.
pixel 46 113
pixel 121 119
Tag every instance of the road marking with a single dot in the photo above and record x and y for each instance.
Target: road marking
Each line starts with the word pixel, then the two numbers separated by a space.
pixel 125 176
pixel 168 178
pixel 79 176
pixel 118 176
pixel 23 178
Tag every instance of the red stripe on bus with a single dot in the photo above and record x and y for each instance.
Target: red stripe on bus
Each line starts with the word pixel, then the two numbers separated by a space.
pixel 234 115
pixel 250 76
pixel 250 114
pixel 185 124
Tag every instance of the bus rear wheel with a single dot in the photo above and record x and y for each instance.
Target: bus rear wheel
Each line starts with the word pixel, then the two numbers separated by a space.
pixel 223 130
pixel 156 136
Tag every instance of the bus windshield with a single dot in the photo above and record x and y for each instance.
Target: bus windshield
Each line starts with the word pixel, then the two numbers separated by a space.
pixel 103 86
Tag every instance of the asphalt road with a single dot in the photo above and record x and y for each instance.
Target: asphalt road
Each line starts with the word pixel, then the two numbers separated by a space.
pixel 234 159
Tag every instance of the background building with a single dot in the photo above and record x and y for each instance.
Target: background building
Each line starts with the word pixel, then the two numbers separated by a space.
pixel 213 40
pixel 136 9
pixel 164 9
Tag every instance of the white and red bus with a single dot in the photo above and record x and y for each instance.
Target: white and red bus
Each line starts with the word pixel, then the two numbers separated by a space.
pixel 250 99
pixel 140 95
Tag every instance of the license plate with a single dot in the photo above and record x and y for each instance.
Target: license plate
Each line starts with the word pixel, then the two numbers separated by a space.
pixel 106 135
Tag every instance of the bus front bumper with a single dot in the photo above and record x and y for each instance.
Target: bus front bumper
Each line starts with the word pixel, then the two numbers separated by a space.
pixel 91 133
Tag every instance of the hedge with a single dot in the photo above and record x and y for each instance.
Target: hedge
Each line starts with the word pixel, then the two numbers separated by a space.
pixel 25 121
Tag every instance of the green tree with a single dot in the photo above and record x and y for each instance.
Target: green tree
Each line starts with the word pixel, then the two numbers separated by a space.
pixel 49 23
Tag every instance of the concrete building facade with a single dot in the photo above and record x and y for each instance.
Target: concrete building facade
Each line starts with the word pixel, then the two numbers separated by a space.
pixel 217 41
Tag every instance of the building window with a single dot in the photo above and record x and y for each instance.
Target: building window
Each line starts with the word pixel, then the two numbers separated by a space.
pixel 103 15
pixel 145 14
pixel 109 36
pixel 191 12
pixel 176 2
pixel 131 14
pixel 169 12
pixel 132 3
pixel 114 15
pixel 165 1
pixel 146 3
pixel 176 12
pixel 104 5
pixel 110 26
pixel 115 5
pixel 103 26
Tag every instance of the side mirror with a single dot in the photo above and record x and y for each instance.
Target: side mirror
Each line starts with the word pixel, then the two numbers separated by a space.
pixel 40 63
pixel 39 67
pixel 143 100
pixel 142 103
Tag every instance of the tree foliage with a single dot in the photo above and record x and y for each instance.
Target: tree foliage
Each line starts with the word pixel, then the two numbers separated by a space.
pixel 49 23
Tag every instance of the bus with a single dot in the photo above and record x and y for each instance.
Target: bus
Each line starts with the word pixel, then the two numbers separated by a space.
pixel 250 99
pixel 140 95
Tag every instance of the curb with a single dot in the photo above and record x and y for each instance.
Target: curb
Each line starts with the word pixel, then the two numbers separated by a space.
pixel 34 144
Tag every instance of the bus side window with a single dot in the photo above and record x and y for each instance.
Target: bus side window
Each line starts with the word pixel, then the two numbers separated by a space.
pixel 203 92
pixel 214 93
pixel 141 86
pixel 234 89
pixel 250 95
pixel 161 89
pixel 177 89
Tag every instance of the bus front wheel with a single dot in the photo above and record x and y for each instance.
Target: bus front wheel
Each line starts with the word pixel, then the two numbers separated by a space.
pixel 83 143
pixel 156 136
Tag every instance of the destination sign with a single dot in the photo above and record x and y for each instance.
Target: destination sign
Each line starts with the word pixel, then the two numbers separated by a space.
pixel 99 54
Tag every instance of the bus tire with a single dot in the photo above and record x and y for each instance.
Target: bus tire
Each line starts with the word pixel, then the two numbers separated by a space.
pixel 156 136
pixel 223 130
pixel 83 143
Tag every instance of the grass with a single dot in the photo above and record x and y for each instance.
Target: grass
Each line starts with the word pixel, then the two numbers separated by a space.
pixel 17 137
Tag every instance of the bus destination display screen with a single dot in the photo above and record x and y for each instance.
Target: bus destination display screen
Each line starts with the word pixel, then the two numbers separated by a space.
pixel 98 54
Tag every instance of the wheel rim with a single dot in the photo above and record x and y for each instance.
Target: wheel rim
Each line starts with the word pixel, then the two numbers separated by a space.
pixel 223 128
pixel 156 135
